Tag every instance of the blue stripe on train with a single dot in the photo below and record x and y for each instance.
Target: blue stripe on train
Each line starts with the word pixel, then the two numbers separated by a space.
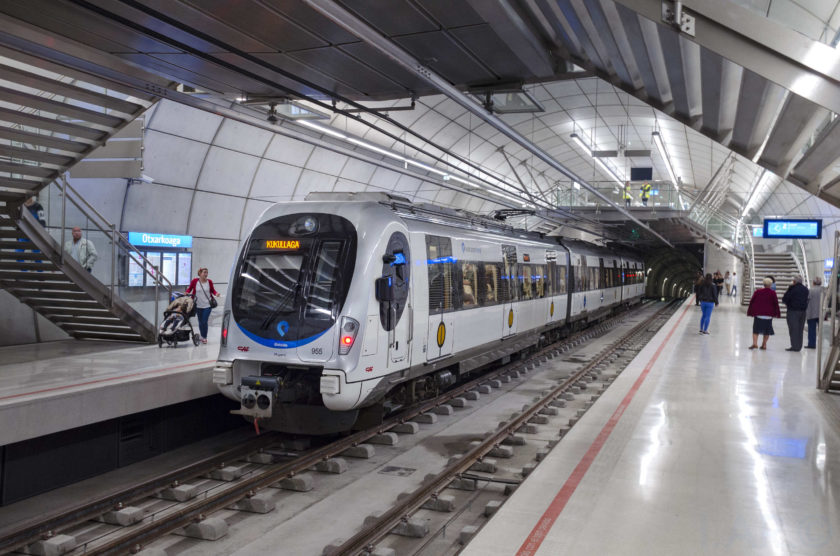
pixel 278 343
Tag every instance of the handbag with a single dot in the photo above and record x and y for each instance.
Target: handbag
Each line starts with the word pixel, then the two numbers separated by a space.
pixel 213 302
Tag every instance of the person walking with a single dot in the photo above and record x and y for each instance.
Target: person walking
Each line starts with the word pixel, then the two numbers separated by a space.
pixel 727 282
pixel 764 307
pixel 697 283
pixel 796 301
pixel 718 280
pixel 81 249
pixel 734 283
pixel 202 291
pixel 707 293
pixel 812 313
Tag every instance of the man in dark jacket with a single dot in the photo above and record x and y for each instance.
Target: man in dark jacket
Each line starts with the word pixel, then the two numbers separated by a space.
pixel 796 301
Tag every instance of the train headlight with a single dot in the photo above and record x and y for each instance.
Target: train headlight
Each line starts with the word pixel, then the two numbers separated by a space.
pixel 347 334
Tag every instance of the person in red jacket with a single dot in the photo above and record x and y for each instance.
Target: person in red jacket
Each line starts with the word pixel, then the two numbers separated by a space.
pixel 202 291
pixel 764 306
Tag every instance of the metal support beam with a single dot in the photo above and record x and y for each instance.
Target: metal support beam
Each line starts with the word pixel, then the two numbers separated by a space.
pixel 353 24
pixel 777 53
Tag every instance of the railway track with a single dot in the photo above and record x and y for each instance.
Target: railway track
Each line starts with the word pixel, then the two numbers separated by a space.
pixel 242 486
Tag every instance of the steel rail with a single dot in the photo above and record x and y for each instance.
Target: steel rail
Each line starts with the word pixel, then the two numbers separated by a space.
pixel 195 511
pixel 37 529
pixel 364 540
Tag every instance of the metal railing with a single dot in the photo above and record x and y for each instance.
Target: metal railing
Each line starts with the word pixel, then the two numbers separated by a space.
pixel 749 269
pixel 824 374
pixel 118 242
pixel 802 266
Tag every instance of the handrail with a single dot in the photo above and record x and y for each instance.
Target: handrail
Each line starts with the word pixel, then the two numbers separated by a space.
pixel 824 375
pixel 751 261
pixel 804 262
pixel 111 230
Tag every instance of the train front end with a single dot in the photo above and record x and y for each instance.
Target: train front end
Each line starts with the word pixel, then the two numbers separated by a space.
pixel 283 322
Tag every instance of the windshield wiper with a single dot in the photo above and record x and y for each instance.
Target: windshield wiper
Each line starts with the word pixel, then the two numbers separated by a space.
pixel 289 295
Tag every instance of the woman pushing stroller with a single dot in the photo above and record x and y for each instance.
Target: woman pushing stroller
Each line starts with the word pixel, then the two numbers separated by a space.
pixel 176 326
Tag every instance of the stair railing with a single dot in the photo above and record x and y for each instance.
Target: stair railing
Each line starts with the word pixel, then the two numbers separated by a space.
pixel 118 242
pixel 750 271
pixel 829 304
pixel 803 268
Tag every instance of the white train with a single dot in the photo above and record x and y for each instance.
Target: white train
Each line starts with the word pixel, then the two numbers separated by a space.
pixel 346 306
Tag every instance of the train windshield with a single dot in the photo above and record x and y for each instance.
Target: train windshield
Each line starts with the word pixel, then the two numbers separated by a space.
pixel 292 279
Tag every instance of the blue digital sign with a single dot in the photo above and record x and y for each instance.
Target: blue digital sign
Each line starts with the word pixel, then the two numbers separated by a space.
pixel 793 229
pixel 758 232
pixel 145 239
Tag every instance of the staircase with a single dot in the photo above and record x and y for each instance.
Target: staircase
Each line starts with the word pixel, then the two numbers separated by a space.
pixel 61 290
pixel 51 119
pixel 781 266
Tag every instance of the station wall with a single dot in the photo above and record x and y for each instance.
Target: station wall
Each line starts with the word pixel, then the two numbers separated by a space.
pixel 212 178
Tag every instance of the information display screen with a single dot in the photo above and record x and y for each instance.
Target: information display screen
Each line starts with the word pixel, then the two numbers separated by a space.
pixel 793 229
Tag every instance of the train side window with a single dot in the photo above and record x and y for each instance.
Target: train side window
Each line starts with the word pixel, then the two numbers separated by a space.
pixel 488 293
pixel 442 289
pixel 526 281
pixel 469 285
pixel 539 281
pixel 560 280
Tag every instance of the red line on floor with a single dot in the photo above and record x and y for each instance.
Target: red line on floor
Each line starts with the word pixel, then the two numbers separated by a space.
pixel 101 380
pixel 543 526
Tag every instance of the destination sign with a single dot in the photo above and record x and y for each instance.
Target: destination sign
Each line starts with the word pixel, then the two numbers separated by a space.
pixel 285 244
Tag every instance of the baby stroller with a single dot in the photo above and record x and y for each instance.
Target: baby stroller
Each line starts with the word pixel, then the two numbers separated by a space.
pixel 176 325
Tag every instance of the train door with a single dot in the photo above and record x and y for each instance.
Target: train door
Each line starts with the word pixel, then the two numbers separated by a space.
pixel 602 282
pixel 551 285
pixel 510 290
pixel 615 285
pixel 443 297
pixel 394 299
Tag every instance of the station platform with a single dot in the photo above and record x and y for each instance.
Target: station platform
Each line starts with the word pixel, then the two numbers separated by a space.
pixel 700 446
pixel 57 386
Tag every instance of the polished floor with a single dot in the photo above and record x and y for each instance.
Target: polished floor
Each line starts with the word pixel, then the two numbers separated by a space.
pixel 700 447
pixel 55 386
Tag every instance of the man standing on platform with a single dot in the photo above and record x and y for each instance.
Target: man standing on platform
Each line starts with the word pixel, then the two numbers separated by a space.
pixel 82 250
pixel 645 193
pixel 796 301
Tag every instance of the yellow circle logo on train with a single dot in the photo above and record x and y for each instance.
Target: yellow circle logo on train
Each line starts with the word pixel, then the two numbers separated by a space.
pixel 441 334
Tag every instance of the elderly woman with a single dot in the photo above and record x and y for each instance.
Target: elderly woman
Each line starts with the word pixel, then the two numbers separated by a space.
pixel 812 313
pixel 764 306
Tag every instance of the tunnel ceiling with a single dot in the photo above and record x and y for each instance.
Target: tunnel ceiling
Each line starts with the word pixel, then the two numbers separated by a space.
pixel 612 71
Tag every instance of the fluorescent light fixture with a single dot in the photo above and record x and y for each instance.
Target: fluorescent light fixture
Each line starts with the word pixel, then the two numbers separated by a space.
pixel 374 148
pixel 657 139
pixel 756 192
pixel 609 171
pixel 575 185
pixel 324 129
